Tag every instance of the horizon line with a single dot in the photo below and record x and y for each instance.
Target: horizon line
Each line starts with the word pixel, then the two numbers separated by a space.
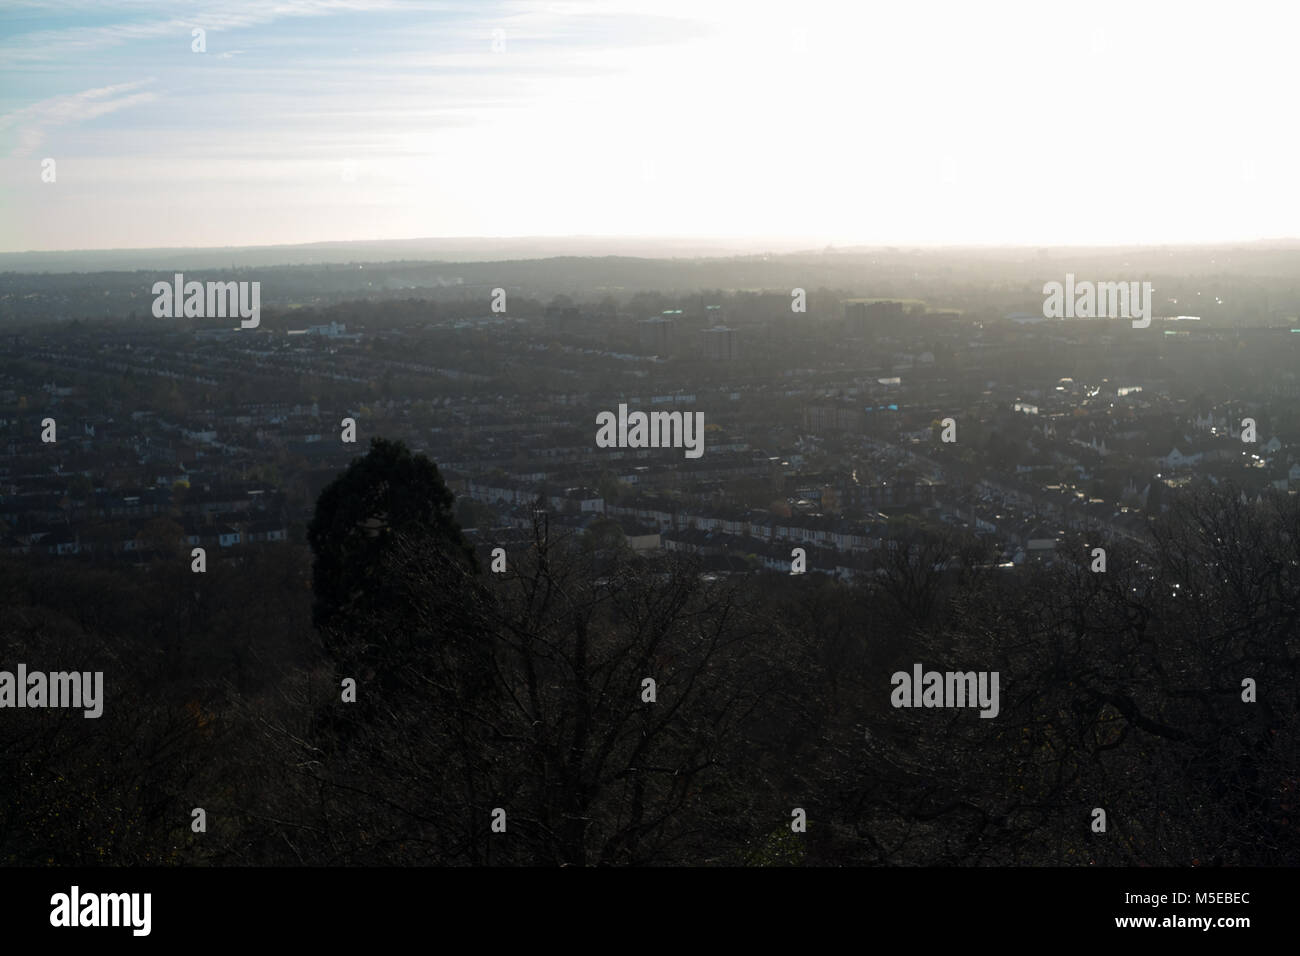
pixel 810 244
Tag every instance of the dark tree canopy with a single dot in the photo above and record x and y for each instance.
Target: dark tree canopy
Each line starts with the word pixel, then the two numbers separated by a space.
pixel 388 492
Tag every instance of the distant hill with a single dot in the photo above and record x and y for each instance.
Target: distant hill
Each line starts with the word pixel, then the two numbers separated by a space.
pixel 1234 285
pixel 468 249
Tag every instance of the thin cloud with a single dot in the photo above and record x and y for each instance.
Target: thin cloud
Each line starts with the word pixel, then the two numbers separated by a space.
pixel 43 45
pixel 31 124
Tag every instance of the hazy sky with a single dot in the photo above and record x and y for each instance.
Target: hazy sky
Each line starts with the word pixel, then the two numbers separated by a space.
pixel 307 120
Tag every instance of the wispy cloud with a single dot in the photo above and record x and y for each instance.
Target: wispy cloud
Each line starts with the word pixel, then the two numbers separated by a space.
pixel 46 45
pixel 29 125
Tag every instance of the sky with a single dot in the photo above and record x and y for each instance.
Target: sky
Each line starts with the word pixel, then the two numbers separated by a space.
pixel 1035 123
